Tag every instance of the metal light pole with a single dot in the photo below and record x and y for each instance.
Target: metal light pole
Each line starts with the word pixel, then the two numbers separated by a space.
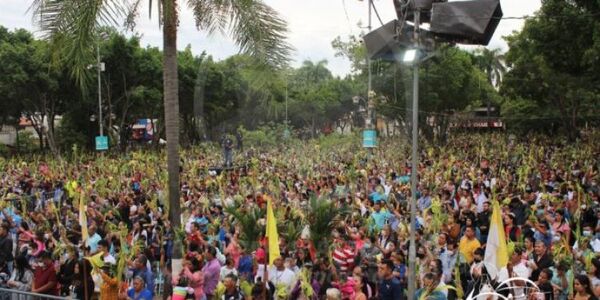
pixel 99 68
pixel 412 253
pixel 286 133
pixel 370 77
pixel 286 105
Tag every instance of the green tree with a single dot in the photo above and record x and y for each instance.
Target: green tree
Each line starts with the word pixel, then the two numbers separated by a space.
pixel 491 62
pixel 10 107
pixel 131 85
pixel 317 99
pixel 449 84
pixel 34 88
pixel 554 76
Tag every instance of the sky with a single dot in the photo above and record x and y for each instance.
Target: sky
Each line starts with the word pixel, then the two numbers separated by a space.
pixel 312 25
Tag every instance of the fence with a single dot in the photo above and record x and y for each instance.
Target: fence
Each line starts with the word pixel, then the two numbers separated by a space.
pixel 10 293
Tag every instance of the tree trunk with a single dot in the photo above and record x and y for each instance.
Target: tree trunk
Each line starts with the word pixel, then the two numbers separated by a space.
pixel 17 137
pixel 38 125
pixel 171 103
pixel 51 116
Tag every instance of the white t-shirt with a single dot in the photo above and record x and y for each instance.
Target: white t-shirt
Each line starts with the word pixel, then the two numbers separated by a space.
pixel 521 271
pixel 109 259
pixel 285 277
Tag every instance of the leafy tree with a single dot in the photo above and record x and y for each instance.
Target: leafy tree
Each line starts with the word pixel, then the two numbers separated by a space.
pixel 317 99
pixel 449 83
pixel 131 85
pixel 491 62
pixel 554 75
pixel 33 87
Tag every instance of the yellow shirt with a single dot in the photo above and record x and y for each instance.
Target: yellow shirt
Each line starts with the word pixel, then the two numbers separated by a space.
pixel 467 248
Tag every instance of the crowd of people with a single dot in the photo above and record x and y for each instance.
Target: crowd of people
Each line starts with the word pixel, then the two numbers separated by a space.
pixel 98 226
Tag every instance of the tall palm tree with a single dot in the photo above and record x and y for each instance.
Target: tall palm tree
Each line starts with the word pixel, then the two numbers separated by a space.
pixel 72 26
pixel 491 62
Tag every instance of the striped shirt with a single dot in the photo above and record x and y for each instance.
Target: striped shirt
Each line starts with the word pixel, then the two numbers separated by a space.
pixel 343 258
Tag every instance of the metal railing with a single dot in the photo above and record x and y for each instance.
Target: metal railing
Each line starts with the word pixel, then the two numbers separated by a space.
pixel 28 295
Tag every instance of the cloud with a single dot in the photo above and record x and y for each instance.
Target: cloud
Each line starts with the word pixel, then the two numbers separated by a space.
pixel 313 24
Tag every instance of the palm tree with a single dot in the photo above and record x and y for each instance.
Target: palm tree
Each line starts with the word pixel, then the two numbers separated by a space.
pixel 72 26
pixel 323 217
pixel 491 62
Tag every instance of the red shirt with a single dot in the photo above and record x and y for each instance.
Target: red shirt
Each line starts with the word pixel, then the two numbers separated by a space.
pixel 195 238
pixel 42 276
pixel 344 258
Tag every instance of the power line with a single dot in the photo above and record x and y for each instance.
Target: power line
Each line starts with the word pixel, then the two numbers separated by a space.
pixel 347 17
pixel 376 12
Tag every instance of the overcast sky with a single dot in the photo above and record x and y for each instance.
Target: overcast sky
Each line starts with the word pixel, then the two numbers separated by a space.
pixel 313 24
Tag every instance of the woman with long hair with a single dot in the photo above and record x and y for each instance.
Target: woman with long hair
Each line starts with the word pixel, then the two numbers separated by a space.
pixel 192 271
pixel 561 225
pixel 83 283
pixel 66 272
pixel 358 289
pixel 582 288
pixel 21 278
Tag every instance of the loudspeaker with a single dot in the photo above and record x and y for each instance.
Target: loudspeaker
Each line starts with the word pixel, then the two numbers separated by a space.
pixel 466 22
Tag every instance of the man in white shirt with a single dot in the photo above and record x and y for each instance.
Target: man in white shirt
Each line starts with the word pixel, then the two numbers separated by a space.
pixel 280 275
pixel 106 256
pixel 516 268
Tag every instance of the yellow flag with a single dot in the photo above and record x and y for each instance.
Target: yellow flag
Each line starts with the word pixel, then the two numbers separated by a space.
pixel 83 217
pixel 273 237
pixel 496 252
pixel 96 260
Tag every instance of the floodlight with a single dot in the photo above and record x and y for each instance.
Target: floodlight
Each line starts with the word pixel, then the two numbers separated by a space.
pixel 410 56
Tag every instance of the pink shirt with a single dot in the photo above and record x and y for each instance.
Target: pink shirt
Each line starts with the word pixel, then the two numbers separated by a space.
pixel 196 281
pixel 234 250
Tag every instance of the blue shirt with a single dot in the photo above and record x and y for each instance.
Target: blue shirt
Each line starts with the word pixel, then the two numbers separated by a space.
pixel 401 269
pixel 448 263
pixel 145 294
pixel 92 242
pixel 546 238
pixel 424 203
pixel 377 197
pixel 435 295
pixel 148 278
pixel 245 266
pixel 390 289
pixel 380 218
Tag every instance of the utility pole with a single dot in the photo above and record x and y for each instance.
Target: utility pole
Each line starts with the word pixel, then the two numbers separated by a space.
pixel 412 253
pixel 368 119
pixel 286 103
pixel 286 108
pixel 99 68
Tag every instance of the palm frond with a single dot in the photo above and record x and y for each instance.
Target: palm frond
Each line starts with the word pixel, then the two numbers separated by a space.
pixel 248 221
pixel 255 27
pixel 322 217
pixel 71 26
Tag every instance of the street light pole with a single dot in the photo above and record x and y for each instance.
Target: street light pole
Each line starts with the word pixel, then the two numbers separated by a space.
pixel 99 69
pixel 286 104
pixel 368 119
pixel 412 253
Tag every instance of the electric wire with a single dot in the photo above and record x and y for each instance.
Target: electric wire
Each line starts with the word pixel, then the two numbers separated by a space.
pixel 376 12
pixel 347 17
